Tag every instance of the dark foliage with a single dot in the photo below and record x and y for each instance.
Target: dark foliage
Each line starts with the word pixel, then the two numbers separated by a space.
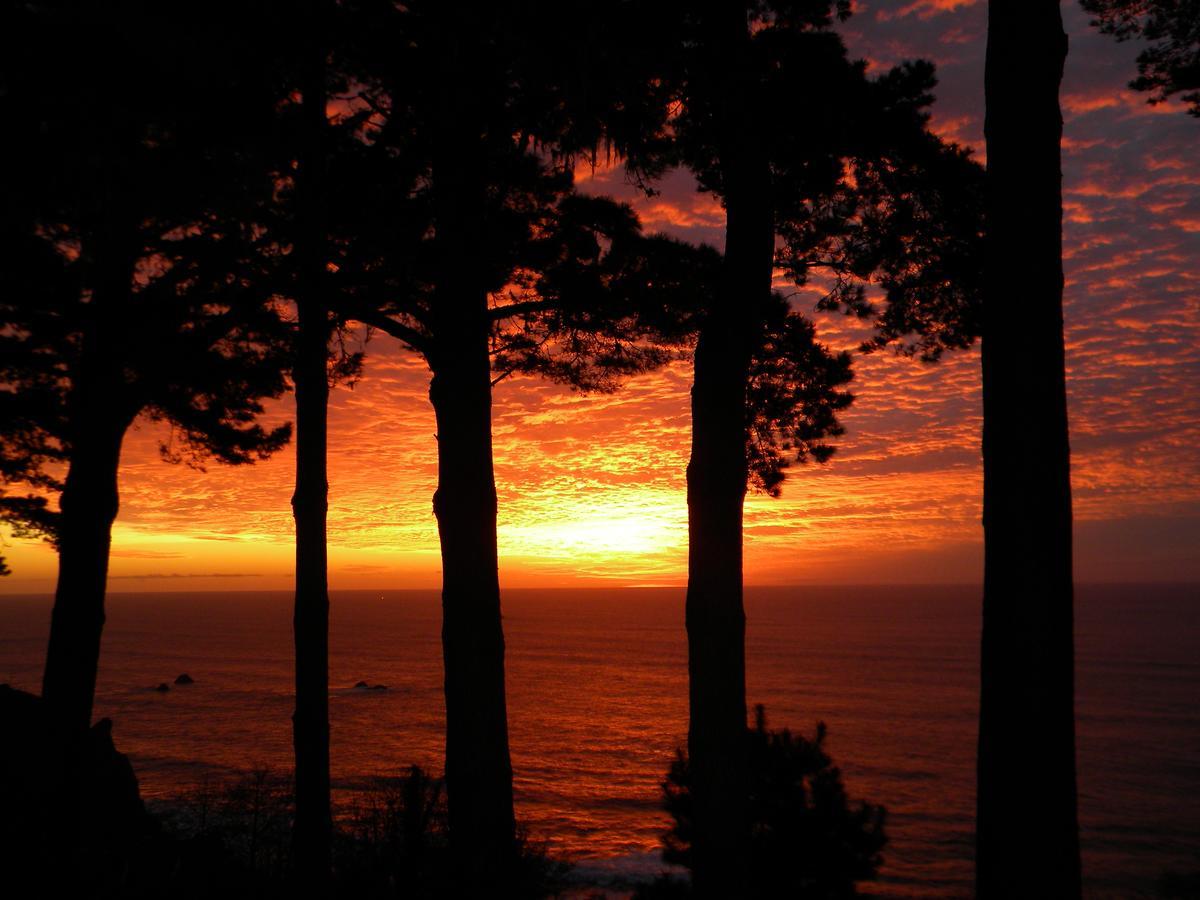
pixel 576 292
pixel 807 838
pixel 395 829
pixel 830 173
pixel 391 840
pixel 487 263
pixel 908 232
pixel 127 243
pixel 230 838
pixel 597 301
pixel 396 834
pixel 1171 63
pixel 882 215
pixel 129 190
pixel 793 397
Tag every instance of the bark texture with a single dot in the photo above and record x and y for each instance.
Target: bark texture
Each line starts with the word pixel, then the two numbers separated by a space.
pixel 1027 840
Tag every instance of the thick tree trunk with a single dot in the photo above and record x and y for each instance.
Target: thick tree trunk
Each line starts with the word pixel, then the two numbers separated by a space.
pixel 716 489
pixel 312 831
pixel 1027 840
pixel 478 765
pixel 89 506
pixel 101 411
pixel 716 623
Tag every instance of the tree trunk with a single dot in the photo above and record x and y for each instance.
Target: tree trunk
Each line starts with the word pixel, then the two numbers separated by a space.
pixel 89 506
pixel 101 411
pixel 312 831
pixel 478 765
pixel 716 489
pixel 1027 839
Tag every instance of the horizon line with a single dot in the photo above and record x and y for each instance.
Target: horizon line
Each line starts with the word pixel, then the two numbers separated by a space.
pixel 629 587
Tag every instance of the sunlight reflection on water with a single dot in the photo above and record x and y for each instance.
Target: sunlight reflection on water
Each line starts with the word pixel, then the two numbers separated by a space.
pixel 598 694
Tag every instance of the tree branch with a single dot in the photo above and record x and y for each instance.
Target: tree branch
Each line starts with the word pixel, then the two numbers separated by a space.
pixel 388 325
pixel 497 313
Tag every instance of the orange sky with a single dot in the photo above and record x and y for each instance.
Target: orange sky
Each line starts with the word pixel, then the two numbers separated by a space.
pixel 592 488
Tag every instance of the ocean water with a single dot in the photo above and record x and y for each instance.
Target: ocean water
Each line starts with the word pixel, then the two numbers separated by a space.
pixel 598 704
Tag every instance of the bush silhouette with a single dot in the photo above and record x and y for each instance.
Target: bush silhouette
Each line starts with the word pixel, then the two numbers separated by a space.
pixel 234 839
pixel 397 835
pixel 807 839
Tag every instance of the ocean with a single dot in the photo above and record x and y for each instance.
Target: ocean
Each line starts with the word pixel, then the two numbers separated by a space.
pixel 597 687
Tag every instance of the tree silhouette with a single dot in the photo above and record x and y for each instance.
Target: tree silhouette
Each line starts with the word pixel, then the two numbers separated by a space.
pixel 34 281
pixel 128 185
pixel 1027 662
pixel 934 288
pixel 806 839
pixel 313 827
pixel 486 263
pixel 1171 64
pixel 545 323
pixel 342 219
pixel 846 183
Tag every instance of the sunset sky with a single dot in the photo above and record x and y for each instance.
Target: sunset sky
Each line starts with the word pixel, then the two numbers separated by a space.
pixel 592 488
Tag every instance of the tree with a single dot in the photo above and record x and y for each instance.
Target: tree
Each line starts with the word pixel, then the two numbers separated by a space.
pixel 34 280
pixel 127 181
pixel 1027 833
pixel 721 139
pixel 341 201
pixel 807 840
pixel 955 283
pixel 583 250
pixel 1171 64
pixel 313 827
pixel 493 265
pixel 841 182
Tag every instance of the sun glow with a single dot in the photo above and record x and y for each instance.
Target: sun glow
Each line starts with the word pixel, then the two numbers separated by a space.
pixel 595 536
pixel 592 488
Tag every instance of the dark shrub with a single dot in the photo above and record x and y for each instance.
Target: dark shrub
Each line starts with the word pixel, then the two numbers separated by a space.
pixel 806 838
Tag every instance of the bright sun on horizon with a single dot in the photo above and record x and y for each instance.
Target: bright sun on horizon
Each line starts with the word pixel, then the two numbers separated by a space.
pixel 591 488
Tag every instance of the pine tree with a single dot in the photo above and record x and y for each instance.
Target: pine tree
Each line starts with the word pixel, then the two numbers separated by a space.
pixel 819 169
pixel 493 266
pixel 1171 63
pixel 127 181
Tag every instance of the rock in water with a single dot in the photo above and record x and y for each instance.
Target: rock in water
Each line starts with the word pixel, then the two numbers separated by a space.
pixel 163 687
pixel 185 678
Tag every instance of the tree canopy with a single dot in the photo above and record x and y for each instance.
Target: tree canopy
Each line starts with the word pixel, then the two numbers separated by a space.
pixel 1171 63
pixel 129 234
